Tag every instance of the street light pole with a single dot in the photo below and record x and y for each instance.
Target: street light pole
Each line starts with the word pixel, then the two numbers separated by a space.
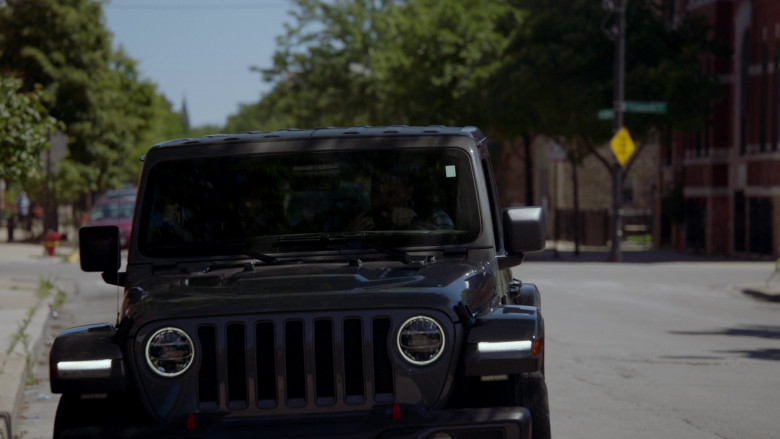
pixel 618 106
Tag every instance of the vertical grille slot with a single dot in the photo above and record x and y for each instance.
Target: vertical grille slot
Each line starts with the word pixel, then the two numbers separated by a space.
pixel 208 383
pixel 353 361
pixel 325 384
pixel 383 368
pixel 266 368
pixel 236 366
pixel 295 363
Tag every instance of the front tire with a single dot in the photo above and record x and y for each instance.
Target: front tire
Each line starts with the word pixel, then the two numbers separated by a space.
pixel 528 390
pixel 531 393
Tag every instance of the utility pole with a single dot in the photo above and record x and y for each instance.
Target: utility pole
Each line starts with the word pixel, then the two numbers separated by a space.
pixel 619 6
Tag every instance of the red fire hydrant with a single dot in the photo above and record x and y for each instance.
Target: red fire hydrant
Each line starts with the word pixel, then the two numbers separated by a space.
pixel 52 241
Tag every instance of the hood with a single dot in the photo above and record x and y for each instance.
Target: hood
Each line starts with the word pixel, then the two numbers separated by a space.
pixel 312 288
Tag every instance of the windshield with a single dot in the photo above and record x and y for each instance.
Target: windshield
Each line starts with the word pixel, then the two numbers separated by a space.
pixel 230 204
pixel 112 210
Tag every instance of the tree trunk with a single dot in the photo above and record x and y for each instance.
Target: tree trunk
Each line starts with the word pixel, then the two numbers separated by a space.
pixel 529 170
pixel 576 194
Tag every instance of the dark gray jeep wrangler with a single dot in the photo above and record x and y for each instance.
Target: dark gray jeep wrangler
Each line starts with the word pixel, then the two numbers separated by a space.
pixel 334 282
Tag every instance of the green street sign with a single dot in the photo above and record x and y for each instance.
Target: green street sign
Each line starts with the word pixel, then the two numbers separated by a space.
pixel 634 107
pixel 644 107
pixel 606 114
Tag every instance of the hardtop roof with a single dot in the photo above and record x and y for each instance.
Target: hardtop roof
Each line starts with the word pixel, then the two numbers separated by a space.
pixel 331 132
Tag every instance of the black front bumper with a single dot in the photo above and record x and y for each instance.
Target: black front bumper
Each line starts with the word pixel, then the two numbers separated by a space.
pixel 382 422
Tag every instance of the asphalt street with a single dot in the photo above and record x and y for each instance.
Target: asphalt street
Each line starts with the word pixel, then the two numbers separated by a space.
pixel 662 345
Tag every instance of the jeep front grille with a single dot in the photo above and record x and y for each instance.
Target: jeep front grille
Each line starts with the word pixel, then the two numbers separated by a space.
pixel 295 363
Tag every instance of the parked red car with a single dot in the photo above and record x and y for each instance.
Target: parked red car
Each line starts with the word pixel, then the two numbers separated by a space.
pixel 115 211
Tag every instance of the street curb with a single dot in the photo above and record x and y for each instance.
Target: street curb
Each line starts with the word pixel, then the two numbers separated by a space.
pixel 5 426
pixel 13 366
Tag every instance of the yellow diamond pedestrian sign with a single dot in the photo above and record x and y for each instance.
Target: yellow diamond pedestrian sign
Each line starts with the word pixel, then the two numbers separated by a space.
pixel 622 145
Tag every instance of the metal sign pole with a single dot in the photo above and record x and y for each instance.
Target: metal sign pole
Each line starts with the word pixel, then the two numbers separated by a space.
pixel 615 254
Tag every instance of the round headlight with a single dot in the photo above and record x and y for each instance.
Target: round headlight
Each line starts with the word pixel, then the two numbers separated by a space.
pixel 421 340
pixel 169 352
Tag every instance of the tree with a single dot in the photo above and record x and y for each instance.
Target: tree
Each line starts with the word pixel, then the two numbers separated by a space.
pixel 436 59
pixel 320 72
pixel 266 115
pixel 64 47
pixel 366 62
pixel 24 131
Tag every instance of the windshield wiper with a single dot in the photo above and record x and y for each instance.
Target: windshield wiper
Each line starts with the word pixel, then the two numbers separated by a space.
pixel 249 266
pixel 352 241
pixel 242 250
pixel 399 254
pixel 270 260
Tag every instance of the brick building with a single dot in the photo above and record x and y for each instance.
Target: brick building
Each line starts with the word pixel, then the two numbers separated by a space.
pixel 729 170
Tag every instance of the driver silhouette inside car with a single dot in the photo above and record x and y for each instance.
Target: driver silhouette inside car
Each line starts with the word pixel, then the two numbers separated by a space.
pixel 392 208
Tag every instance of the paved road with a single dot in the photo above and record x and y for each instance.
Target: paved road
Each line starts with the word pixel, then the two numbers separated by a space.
pixel 650 350
pixel 639 350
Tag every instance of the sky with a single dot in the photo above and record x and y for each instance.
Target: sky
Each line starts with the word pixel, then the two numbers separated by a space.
pixel 200 51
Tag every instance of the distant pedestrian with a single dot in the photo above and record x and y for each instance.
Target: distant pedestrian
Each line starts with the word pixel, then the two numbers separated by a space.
pixel 11 225
pixel 23 210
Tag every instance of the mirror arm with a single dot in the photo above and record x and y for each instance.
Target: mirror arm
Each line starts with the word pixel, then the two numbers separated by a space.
pixel 114 278
pixel 509 261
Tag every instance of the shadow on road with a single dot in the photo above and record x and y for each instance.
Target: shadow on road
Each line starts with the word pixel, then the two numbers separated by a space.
pixel 754 331
pixel 758 354
pixel 757 293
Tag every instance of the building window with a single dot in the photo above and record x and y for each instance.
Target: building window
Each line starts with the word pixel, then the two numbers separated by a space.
pixel 698 143
pixel 707 127
pixel 744 81
pixel 776 96
pixel 740 234
pixel 695 224
pixel 760 227
pixel 762 126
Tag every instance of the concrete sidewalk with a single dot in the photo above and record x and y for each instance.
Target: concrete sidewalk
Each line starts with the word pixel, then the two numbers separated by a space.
pixel 24 314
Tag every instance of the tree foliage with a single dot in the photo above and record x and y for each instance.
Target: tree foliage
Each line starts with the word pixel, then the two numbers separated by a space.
pixel 24 131
pixel 321 68
pixel 437 58
pixel 266 115
pixel 560 67
pixel 355 62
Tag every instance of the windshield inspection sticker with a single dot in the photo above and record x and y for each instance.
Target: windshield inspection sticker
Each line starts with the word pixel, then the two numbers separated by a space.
pixel 449 171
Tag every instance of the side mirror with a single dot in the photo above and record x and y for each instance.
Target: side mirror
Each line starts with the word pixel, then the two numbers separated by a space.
pixel 99 251
pixel 524 229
